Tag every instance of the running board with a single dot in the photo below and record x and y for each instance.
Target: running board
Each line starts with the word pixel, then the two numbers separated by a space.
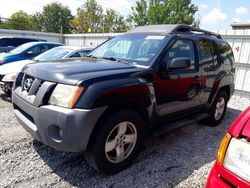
pixel 178 124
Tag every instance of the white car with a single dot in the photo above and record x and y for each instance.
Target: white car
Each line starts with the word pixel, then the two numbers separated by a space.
pixel 9 71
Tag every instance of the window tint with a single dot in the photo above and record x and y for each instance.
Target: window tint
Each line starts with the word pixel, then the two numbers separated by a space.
pixel 77 54
pixel 208 57
pixel 5 42
pixel 36 50
pixel 46 47
pixel 84 52
pixel 181 48
pixel 226 53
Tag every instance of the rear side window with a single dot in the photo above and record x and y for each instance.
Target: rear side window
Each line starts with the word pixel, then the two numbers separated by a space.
pixel 46 47
pixel 226 53
pixel 77 54
pixel 208 55
pixel 84 52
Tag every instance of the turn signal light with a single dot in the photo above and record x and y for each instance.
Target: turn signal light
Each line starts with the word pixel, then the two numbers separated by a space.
pixel 223 148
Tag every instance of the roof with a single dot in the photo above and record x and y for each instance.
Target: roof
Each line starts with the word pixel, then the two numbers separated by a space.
pixel 41 42
pixel 171 29
pixel 76 47
pixel 12 37
pixel 240 24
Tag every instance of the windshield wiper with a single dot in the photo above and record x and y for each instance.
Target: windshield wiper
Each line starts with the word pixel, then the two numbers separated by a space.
pixel 115 59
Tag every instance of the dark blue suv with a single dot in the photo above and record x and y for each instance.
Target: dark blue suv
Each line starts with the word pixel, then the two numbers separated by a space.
pixel 9 43
pixel 26 51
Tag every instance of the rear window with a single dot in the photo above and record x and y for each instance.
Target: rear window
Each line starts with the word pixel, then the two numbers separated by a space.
pixel 226 53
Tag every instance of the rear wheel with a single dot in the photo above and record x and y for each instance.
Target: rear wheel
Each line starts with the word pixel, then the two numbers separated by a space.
pixel 116 143
pixel 218 109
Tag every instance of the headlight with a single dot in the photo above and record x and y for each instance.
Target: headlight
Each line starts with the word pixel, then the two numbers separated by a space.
pixel 9 77
pixel 65 95
pixel 237 158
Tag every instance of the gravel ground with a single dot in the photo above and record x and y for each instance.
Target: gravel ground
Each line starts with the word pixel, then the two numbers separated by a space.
pixel 182 158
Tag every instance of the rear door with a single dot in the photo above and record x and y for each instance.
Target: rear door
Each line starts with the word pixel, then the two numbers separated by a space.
pixel 209 63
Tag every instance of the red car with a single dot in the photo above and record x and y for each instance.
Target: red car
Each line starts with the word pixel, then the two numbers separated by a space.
pixel 232 167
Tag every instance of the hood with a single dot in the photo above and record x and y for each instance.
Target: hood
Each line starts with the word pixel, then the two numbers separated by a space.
pixel 5 55
pixel 246 129
pixel 13 67
pixel 241 126
pixel 72 72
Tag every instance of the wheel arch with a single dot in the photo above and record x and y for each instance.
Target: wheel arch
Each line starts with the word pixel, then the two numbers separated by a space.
pixel 139 108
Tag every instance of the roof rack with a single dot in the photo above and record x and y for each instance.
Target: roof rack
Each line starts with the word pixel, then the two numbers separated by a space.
pixel 171 29
pixel 192 29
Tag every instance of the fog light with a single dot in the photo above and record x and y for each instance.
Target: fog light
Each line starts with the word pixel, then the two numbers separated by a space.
pixel 60 133
pixel 55 133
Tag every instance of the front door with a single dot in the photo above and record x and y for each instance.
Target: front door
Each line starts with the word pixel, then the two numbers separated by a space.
pixel 178 90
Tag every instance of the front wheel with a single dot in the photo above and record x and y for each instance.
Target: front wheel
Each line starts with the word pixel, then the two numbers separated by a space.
pixel 217 110
pixel 116 143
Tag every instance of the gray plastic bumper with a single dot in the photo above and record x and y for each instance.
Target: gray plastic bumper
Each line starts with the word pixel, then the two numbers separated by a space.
pixel 61 128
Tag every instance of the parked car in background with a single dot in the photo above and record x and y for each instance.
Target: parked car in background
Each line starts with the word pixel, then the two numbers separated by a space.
pixel 26 51
pixel 153 78
pixel 9 71
pixel 232 167
pixel 8 43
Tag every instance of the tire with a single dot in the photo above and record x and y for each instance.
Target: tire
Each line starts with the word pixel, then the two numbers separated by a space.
pixel 121 133
pixel 217 110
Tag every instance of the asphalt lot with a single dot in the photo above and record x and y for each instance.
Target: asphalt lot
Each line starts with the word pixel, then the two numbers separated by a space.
pixel 182 158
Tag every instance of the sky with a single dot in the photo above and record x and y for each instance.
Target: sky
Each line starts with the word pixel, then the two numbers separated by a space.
pixel 214 14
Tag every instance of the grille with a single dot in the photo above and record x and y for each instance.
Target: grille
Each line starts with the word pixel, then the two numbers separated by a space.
pixel 1 77
pixel 33 90
pixel 30 84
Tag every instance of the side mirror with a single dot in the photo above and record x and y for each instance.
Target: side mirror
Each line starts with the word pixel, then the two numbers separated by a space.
pixel 29 53
pixel 180 63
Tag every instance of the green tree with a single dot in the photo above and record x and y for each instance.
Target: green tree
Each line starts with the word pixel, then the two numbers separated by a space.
pixel 139 15
pixel 89 18
pixel 164 12
pixel 54 18
pixel 37 20
pixel 114 22
pixel 180 12
pixel 157 12
pixel 19 20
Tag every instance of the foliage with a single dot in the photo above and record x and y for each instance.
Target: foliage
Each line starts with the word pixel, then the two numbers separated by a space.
pixel 54 18
pixel 114 22
pixel 89 18
pixel 19 20
pixel 139 15
pixel 164 12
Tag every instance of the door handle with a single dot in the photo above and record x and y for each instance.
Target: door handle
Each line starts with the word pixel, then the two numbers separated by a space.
pixel 197 78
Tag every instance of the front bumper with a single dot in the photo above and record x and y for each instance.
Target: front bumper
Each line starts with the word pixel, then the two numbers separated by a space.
pixel 6 86
pixel 223 178
pixel 61 128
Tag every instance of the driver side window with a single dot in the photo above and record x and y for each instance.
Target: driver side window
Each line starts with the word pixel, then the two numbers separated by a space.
pixel 181 48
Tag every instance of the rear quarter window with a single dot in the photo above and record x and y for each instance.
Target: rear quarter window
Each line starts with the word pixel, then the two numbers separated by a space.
pixel 226 53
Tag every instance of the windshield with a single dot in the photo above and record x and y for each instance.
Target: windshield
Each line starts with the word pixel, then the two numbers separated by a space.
pixel 21 48
pixel 138 49
pixel 53 54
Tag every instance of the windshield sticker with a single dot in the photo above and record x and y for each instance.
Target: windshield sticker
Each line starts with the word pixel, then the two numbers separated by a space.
pixel 154 37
